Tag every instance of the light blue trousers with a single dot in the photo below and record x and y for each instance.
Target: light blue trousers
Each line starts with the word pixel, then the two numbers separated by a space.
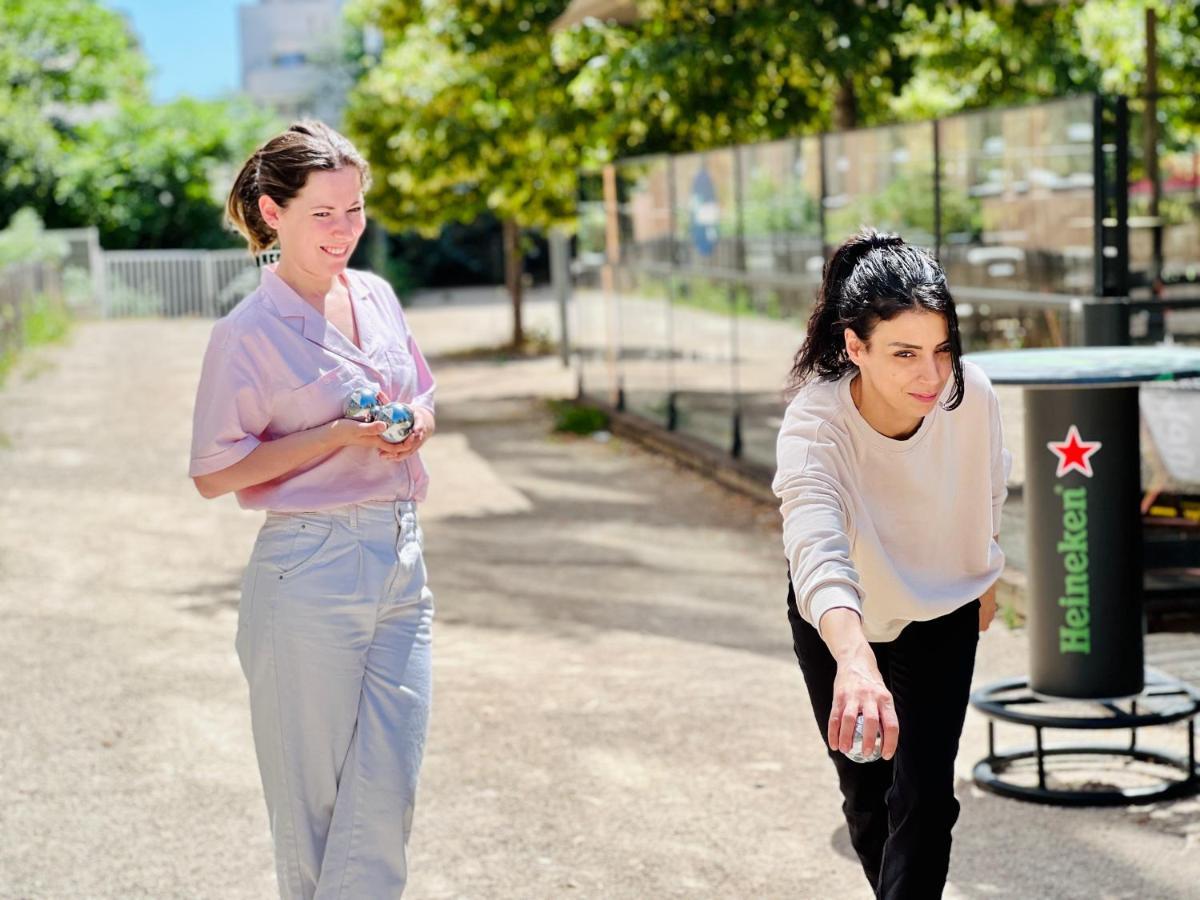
pixel 334 635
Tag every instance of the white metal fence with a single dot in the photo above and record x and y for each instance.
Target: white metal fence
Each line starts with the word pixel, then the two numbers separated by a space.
pixel 172 283
pixel 206 283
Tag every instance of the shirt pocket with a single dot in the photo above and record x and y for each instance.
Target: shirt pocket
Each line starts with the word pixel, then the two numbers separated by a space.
pixel 401 373
pixel 321 400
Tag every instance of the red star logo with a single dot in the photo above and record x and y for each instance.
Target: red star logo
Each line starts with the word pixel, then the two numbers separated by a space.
pixel 1073 453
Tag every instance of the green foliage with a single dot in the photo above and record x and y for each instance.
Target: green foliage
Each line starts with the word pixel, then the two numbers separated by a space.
pixel 770 208
pixel 697 74
pixel 80 143
pixel 905 205
pixel 43 321
pixel 1004 54
pixel 1011 616
pixel 577 418
pixel 46 322
pixel 24 240
pixel 59 63
pixel 156 176
pixel 466 113
pixel 1008 53
pixel 712 296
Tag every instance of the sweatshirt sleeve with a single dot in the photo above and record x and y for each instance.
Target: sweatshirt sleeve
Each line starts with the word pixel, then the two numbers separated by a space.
pixel 816 528
pixel 1001 463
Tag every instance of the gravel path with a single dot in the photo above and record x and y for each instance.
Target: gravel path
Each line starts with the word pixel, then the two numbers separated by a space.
pixel 617 712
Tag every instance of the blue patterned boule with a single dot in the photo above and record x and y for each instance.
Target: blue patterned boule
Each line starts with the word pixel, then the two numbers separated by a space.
pixel 360 405
pixel 399 418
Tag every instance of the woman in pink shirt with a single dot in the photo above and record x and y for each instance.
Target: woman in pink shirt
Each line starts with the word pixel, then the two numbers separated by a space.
pixel 335 618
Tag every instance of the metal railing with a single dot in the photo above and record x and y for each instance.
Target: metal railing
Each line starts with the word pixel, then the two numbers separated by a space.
pixel 172 283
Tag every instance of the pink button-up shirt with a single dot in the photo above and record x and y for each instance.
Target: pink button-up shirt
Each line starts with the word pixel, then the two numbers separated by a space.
pixel 275 366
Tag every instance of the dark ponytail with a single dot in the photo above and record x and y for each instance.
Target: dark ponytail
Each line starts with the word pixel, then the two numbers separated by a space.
pixel 873 277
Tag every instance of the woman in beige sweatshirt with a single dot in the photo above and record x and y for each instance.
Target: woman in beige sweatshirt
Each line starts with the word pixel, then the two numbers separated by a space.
pixel 891 477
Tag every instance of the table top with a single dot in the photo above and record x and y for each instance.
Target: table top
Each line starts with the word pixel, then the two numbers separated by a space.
pixel 1083 366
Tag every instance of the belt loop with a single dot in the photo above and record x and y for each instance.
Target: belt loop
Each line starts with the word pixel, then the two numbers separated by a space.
pixel 353 515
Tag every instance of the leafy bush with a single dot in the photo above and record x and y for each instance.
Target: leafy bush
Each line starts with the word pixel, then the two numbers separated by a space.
pixel 577 418
pixel 44 322
pixel 25 241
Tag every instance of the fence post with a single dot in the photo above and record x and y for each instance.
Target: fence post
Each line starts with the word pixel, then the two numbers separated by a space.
pixel 560 275
pixel 96 267
pixel 208 282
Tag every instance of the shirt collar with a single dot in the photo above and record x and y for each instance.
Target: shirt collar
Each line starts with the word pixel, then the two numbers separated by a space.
pixel 303 317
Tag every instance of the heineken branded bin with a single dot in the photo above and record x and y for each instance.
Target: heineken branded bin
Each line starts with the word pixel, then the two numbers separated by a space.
pixel 1085 542
pixel 1082 508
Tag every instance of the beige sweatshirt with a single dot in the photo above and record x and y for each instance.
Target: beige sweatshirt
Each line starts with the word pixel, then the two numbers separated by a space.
pixel 900 531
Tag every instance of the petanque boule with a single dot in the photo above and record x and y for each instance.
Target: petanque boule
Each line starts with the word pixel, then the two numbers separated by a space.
pixel 399 418
pixel 361 404
pixel 856 753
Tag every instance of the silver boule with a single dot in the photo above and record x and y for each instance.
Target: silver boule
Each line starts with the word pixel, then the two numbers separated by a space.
pixel 361 403
pixel 399 418
pixel 857 753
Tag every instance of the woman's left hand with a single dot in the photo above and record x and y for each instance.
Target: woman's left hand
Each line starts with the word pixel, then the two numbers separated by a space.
pixel 423 427
pixel 987 608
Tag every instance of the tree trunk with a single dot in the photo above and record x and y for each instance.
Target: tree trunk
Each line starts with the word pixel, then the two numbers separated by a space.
pixel 845 105
pixel 514 268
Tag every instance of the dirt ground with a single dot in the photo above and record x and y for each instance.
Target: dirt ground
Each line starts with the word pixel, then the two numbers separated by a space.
pixel 617 710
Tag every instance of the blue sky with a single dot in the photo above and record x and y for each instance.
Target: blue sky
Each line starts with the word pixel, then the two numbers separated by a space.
pixel 192 45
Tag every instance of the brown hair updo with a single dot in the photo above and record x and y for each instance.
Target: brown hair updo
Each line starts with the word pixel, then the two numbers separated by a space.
pixel 279 169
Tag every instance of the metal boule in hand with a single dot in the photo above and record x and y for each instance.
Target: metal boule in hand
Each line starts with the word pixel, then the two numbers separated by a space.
pixel 856 753
pixel 399 418
pixel 361 404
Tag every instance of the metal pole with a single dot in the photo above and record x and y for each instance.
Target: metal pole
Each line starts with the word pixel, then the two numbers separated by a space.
pixel 1106 322
pixel 1150 119
pixel 1099 196
pixel 821 139
pixel 1120 233
pixel 560 278
pixel 937 190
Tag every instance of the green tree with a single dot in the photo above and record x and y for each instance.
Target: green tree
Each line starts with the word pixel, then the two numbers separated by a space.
pixel 697 74
pixel 156 176
pixel 81 144
pixel 1010 53
pixel 61 63
pixel 466 113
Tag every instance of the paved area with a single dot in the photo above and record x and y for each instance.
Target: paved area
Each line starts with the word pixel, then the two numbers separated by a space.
pixel 617 711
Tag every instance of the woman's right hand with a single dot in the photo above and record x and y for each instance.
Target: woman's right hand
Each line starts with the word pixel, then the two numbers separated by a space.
pixel 352 433
pixel 858 688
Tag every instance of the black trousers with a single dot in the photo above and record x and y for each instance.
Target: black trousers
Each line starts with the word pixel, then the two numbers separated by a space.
pixel 900 811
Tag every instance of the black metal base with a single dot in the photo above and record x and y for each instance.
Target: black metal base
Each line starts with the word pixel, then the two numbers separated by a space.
pixel 1012 701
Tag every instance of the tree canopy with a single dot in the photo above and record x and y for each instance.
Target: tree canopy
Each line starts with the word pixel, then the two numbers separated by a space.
pixel 81 144
pixel 57 62
pixel 466 113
